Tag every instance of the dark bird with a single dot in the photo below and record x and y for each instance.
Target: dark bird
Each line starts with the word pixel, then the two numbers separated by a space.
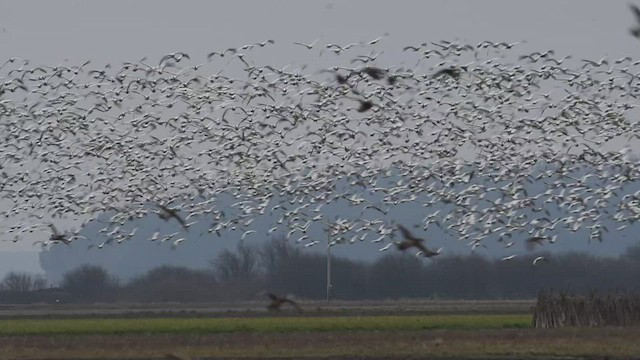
pixel 413 48
pixel 534 241
pixel 167 213
pixel 413 241
pixel 635 31
pixel 57 237
pixel 374 72
pixel 341 79
pixel 277 302
pixel 365 105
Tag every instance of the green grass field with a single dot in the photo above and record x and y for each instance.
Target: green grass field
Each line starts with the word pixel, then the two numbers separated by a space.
pixel 260 325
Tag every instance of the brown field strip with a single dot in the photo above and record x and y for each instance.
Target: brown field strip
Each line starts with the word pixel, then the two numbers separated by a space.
pixel 506 343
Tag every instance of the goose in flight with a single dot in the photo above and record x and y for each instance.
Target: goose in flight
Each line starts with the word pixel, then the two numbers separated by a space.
pixel 413 241
pixel 534 241
pixel 167 213
pixel 308 46
pixel 57 237
pixel 365 105
pixel 277 302
pixel 374 72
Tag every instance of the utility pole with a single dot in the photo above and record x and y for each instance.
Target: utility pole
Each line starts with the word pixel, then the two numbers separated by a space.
pixel 329 286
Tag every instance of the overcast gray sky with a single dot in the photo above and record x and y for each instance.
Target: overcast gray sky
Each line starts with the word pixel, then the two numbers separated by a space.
pixel 49 32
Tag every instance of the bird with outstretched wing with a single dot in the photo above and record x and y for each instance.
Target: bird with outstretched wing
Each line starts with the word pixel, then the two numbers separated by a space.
pixel 411 240
pixel 277 302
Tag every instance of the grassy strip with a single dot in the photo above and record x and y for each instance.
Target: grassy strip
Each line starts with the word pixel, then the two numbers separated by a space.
pixel 260 325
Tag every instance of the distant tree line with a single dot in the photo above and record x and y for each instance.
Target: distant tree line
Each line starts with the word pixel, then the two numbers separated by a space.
pixel 277 266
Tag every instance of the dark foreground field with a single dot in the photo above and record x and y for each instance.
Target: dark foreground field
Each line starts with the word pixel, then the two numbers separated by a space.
pixel 346 331
pixel 498 344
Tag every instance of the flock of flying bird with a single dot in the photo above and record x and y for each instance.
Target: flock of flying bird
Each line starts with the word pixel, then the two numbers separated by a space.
pixel 494 144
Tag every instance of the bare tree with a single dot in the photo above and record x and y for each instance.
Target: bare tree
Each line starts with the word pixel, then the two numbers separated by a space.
pixel 90 283
pixel 240 265
pixel 274 252
pixel 22 282
pixel 173 283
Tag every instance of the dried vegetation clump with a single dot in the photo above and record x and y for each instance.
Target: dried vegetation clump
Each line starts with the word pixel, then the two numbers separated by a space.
pixel 558 309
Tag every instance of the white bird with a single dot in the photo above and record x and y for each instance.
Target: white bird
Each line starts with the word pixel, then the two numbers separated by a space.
pixel 538 259
pixel 375 41
pixel 386 247
pixel 308 46
pixel 246 233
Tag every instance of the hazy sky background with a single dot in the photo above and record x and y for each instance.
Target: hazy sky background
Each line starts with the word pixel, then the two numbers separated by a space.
pixel 54 32
pixel 115 31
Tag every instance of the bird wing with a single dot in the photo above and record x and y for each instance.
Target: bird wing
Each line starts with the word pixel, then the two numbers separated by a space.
pixel 177 217
pixel 365 105
pixel 165 58
pixel 408 235
pixel 273 297
pixel 294 304
pixel 531 242
pixel 426 252
pixel 422 249
pixel 451 72
pixel 374 72
pixel 301 44
pixel 214 53
pixel 172 213
pixel 54 230
pixel 635 10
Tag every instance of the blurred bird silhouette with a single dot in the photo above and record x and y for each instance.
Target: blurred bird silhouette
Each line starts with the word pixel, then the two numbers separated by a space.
pixel 277 302
pixel 413 241
pixel 534 241
pixel 365 105
pixel 635 31
pixel 167 213
pixel 57 237
pixel 374 72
